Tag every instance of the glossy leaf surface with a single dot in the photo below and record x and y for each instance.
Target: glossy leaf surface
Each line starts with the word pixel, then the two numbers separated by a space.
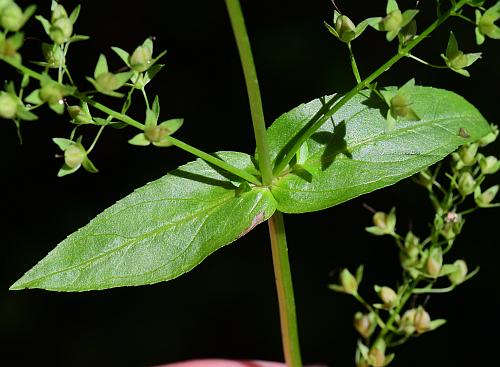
pixel 158 232
pixel 357 151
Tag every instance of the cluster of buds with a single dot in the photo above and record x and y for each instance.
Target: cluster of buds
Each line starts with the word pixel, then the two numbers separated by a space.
pixel 423 261
pixel 471 167
pixel 12 19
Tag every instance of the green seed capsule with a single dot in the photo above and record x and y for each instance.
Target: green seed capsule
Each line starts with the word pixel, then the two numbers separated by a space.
pixel 422 321
pixel 8 106
pixel 140 60
pixel 489 165
pixel 345 28
pixel 393 21
pixel 61 30
pixel 54 56
pixel 107 82
pixel 388 296
pixel 155 134
pixel 458 276
pixel 348 282
pixel 459 61
pixel 12 17
pixel 400 106
pixel 74 156
pixel 466 184
pixel 434 262
pixel 58 12
pixel 51 93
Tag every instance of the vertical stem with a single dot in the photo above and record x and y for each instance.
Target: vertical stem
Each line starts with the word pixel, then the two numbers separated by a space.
pixel 354 66
pixel 284 287
pixel 277 234
pixel 259 126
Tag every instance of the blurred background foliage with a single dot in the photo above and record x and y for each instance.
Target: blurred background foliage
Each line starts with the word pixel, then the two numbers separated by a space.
pixel 227 307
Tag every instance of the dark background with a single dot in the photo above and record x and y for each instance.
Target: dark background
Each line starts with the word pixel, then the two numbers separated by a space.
pixel 226 307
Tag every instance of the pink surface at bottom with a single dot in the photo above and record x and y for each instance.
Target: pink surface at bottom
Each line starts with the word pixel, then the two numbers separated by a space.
pixel 223 363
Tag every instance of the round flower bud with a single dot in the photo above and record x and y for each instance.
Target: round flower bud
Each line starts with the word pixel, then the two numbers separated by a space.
pixel 386 222
pixel 345 28
pixel 348 282
pixel 458 60
pixel 458 276
pixel 51 93
pixel 400 107
pixel 155 134
pixel 107 82
pixel 489 165
pixel 434 262
pixel 467 154
pixel 54 56
pixel 388 296
pixel 393 20
pixel 140 59
pixel 490 137
pixel 466 184
pixel 406 324
pixel 61 30
pixel 74 156
pixel 78 115
pixel 8 106
pixel 377 354
pixel 364 324
pixel 422 321
pixel 411 245
pixel 4 3
pixel 12 17
pixel 484 199
pixel 58 12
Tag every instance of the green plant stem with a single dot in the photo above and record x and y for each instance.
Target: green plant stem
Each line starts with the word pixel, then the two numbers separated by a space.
pixel 282 274
pixel 334 105
pixel 96 139
pixel 130 121
pixel 283 277
pixel 252 83
pixel 426 63
pixel 213 160
pixel 354 66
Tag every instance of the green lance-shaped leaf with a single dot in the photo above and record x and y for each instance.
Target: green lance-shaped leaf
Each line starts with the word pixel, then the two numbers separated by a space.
pixel 353 153
pixel 158 232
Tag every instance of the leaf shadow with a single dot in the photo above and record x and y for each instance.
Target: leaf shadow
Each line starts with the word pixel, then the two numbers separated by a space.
pixel 376 102
pixel 203 179
pixel 326 105
pixel 229 185
pixel 300 171
pixel 335 144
